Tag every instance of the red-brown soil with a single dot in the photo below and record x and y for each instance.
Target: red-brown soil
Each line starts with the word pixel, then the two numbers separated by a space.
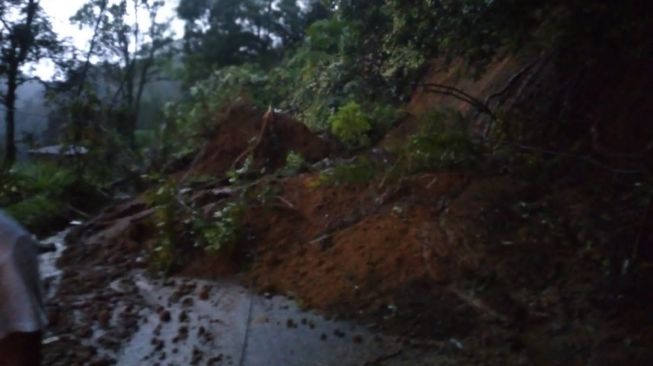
pixel 339 242
pixel 241 127
pixel 448 255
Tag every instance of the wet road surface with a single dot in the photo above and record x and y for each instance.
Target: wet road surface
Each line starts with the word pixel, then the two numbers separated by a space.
pixel 142 320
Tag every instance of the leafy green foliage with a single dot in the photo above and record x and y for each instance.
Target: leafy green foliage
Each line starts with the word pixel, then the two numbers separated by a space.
pixel 25 180
pixel 315 78
pixel 351 125
pixel 234 32
pixel 361 171
pixel 443 142
pixel 294 164
pixel 236 175
pixel 167 211
pixel 211 95
pixel 181 226
pixel 382 117
pixel 411 33
pixel 37 194
pixel 328 36
pixel 221 232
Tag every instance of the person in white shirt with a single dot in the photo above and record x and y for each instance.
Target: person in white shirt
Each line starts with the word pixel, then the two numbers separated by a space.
pixel 22 314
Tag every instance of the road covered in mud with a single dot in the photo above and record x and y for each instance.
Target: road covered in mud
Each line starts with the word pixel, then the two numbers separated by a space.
pixel 435 268
pixel 105 308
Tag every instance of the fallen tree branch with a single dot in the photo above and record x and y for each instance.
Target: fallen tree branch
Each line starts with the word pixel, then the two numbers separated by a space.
pixel 268 117
pixel 477 303
pixel 511 82
pixel 600 148
pixel 286 202
pixel 460 95
pixel 193 163
pixel 584 158
pixel 79 212
pixel 384 358
pixel 320 239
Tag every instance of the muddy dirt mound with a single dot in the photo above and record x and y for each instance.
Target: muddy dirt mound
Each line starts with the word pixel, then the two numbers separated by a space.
pixel 115 234
pixel 359 248
pixel 444 256
pixel 243 131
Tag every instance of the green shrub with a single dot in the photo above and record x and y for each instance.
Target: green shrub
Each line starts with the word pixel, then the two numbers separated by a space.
pixel 30 178
pixel 37 194
pixel 351 125
pixel 180 226
pixel 167 211
pixel 443 142
pixel 294 164
pixel 329 36
pixel 383 116
pixel 196 116
pixel 39 211
pixel 321 74
pixel 361 171
pixel 220 233
pixel 237 175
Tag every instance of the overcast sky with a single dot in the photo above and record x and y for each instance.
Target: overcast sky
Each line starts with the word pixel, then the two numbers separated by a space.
pixel 60 12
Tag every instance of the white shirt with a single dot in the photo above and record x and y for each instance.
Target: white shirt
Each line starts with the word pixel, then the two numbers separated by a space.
pixel 21 301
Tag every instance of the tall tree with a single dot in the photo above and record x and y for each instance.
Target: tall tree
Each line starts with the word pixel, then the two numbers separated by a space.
pixel 231 32
pixel 127 52
pixel 25 37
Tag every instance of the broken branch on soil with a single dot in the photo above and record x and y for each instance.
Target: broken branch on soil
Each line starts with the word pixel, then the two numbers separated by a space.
pixel 320 239
pixel 460 95
pixel 511 82
pixel 584 158
pixel 268 117
pixel 286 202
pixel 477 303
pixel 79 212
pixel 384 358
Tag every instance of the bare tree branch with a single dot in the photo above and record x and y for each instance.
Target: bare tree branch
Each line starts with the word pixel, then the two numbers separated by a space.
pixel 511 82
pixel 460 95
pixel 584 158
pixel 87 63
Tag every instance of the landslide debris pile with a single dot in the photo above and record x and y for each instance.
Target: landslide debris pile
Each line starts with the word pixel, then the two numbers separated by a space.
pixel 497 264
pixel 243 131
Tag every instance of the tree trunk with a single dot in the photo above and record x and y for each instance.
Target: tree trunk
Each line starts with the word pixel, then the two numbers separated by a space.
pixel 89 54
pixel 10 120
pixel 20 45
pixel 147 64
